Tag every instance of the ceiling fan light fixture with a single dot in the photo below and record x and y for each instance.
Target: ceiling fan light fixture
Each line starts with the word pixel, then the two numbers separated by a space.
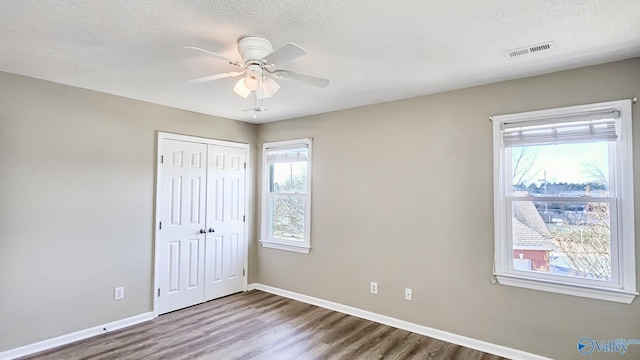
pixel 268 88
pixel 251 83
pixel 241 89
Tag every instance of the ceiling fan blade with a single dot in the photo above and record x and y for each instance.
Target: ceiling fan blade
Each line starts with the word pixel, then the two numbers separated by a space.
pixel 215 77
pixel 305 79
pixel 283 54
pixel 217 56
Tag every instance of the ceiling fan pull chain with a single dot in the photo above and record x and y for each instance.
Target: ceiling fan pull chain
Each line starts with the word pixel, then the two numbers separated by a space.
pixel 255 100
pixel 262 89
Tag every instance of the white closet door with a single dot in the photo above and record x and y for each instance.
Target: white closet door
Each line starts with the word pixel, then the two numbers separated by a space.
pixel 226 249
pixel 181 245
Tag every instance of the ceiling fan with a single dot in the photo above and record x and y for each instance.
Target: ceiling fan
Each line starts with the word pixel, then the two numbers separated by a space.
pixel 260 67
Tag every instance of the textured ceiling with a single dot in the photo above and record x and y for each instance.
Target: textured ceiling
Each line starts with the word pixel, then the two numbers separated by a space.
pixel 373 51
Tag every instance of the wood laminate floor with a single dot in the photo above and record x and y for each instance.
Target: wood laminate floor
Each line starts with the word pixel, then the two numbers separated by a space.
pixel 259 325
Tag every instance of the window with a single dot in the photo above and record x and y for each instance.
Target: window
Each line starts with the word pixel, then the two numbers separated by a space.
pixel 286 202
pixel 563 201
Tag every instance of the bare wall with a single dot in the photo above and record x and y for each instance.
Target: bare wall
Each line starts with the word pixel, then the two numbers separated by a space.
pixel 403 195
pixel 77 204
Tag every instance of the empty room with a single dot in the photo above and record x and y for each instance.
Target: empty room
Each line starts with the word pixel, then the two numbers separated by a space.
pixel 319 180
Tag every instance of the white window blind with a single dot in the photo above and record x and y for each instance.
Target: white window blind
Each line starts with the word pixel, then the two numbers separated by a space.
pixel 298 152
pixel 600 126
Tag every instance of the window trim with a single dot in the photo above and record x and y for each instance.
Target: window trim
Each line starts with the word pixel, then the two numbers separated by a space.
pixel 303 247
pixel 624 289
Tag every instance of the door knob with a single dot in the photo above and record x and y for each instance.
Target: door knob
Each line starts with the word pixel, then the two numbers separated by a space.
pixel 211 230
pixel 202 231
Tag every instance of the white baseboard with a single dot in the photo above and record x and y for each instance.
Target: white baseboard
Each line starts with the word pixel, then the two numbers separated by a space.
pixel 78 335
pixel 404 325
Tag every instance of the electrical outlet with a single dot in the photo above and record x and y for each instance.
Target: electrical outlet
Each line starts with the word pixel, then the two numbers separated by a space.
pixel 374 287
pixel 118 293
pixel 408 294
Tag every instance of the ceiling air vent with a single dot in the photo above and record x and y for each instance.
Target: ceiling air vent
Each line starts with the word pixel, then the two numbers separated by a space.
pixel 528 50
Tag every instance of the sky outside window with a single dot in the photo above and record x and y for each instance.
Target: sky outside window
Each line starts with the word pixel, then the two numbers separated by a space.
pixel 565 163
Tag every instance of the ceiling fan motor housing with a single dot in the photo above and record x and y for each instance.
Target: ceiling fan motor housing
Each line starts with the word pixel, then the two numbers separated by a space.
pixel 254 48
pixel 254 71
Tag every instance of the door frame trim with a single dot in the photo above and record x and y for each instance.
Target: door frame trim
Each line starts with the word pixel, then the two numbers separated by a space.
pixel 162 136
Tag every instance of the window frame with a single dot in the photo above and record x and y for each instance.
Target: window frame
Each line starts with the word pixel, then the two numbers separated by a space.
pixel 267 240
pixel 622 287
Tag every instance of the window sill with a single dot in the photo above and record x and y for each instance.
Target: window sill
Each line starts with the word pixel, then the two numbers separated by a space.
pixel 287 247
pixel 600 293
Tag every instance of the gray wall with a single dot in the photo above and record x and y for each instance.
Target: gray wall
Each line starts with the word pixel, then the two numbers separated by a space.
pixel 77 203
pixel 403 195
